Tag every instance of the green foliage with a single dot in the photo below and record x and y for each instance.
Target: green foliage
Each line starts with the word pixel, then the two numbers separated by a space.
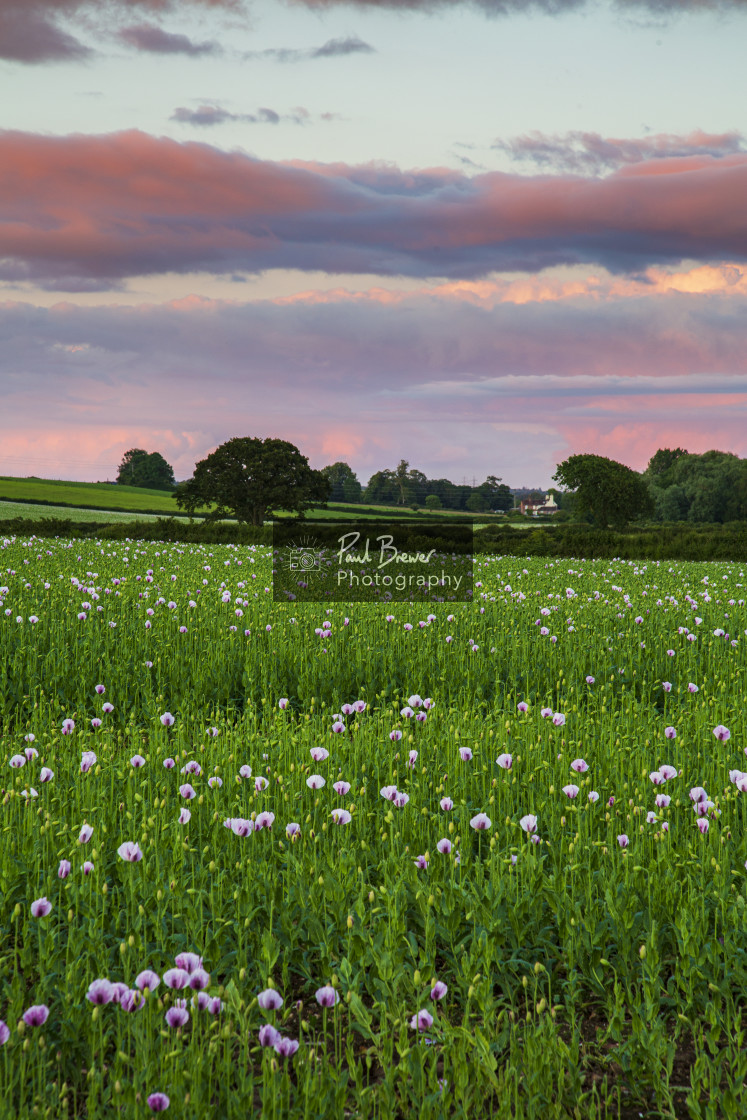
pixel 139 468
pixel 344 483
pixel 670 542
pixel 249 479
pixel 433 501
pixel 607 492
pixel 711 487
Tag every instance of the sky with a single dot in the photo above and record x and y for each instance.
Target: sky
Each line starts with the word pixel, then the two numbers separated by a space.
pixel 478 236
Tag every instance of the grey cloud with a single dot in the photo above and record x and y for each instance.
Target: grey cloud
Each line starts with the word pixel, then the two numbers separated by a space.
pixel 206 116
pixel 587 153
pixel 333 48
pixel 30 31
pixel 550 7
pixel 30 36
pixel 151 38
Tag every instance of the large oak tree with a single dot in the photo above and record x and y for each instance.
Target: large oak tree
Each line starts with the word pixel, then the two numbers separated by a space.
pixel 250 479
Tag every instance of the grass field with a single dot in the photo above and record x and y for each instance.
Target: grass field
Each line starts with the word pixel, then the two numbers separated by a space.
pixel 100 496
pixel 30 512
pixel 90 495
pixel 300 860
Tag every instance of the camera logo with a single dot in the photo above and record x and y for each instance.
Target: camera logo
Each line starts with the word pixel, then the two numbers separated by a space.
pixel 304 558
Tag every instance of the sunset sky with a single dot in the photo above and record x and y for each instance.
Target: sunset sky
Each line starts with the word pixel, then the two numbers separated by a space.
pixel 478 236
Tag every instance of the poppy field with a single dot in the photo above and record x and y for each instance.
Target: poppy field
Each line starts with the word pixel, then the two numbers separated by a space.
pixel 478 859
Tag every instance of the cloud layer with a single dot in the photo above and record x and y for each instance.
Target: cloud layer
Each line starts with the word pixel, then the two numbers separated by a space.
pixel 503 377
pixel 589 153
pixel 30 30
pixel 153 39
pixel 207 116
pixel 333 48
pixel 87 211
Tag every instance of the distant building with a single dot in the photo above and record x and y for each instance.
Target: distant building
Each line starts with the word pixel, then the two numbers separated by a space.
pixel 534 507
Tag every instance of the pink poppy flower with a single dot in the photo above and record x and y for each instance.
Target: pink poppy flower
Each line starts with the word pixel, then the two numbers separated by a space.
pixel 176 978
pixel 327 996
pixel 423 1021
pixel 130 852
pixel 446 804
pixel 40 908
pixel 268 1035
pixel 36 1015
pixel 158 1102
pixel 147 979
pixel 286 1047
pixel 100 992
pixel 481 822
pixel 190 962
pixel 270 1000
pixel 315 781
pixel 177 1017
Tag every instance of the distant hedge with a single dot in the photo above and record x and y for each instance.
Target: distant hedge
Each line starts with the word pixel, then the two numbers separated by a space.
pixel 162 529
pixel 661 542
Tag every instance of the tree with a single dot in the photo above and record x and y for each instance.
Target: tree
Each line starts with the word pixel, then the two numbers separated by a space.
pixel 249 479
pixel 433 502
pixel 138 468
pixel 381 489
pixel 345 485
pixel 497 494
pixel 400 477
pixel 607 491
pixel 477 502
pixel 662 462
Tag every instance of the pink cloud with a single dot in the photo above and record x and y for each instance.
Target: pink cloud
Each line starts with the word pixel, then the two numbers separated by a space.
pixel 93 210
pixel 458 387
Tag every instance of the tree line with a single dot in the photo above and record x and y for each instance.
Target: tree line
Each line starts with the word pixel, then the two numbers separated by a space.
pixel 250 479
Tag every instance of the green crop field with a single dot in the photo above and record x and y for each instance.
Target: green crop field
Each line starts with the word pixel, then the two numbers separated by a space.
pixel 454 860
pixel 87 495
pixel 36 512
pixel 72 497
